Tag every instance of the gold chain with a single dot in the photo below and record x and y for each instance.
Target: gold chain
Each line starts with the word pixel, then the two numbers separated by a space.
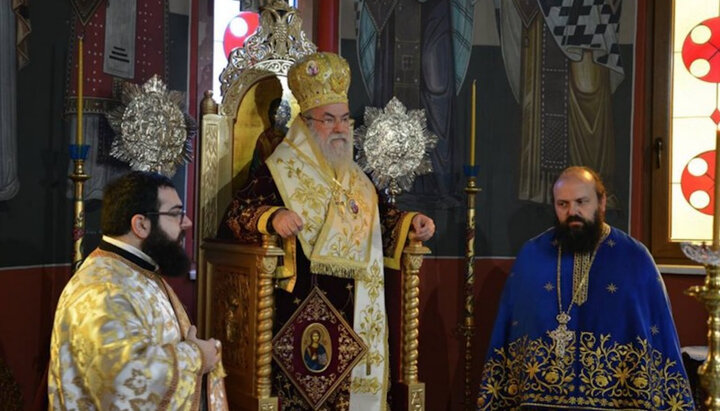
pixel 584 277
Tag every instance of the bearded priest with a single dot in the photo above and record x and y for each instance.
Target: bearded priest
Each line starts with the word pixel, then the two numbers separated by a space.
pixel 121 338
pixel 584 320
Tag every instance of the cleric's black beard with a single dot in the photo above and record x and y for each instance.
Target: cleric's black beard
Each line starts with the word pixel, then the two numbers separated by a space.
pixel 169 255
pixel 583 239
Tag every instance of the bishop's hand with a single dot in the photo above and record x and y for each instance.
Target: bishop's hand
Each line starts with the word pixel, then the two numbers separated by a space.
pixel 423 228
pixel 287 223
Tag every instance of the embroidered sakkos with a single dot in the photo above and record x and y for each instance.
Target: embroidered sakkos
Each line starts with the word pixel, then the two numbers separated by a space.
pixel 623 352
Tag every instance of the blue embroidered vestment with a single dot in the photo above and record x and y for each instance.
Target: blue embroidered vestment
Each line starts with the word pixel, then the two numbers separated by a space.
pixel 624 353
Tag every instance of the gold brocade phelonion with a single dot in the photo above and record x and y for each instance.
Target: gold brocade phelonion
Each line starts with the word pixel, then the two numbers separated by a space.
pixel 561 336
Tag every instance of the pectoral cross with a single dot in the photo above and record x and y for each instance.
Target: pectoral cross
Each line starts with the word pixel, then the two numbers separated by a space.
pixel 561 336
pixel 338 198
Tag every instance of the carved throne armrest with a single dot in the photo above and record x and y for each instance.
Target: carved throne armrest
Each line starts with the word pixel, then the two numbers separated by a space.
pixel 236 306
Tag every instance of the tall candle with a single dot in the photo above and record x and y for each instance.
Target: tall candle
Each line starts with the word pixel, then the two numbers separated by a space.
pixel 472 126
pixel 79 136
pixel 716 208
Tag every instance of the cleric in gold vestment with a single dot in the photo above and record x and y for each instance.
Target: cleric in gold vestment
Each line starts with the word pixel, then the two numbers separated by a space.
pixel 121 338
pixel 310 188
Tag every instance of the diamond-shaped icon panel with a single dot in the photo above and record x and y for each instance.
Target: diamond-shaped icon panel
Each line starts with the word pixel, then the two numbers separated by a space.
pixel 317 349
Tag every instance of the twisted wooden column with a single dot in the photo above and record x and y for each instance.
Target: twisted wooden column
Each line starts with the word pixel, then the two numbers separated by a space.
pixel 265 304
pixel 412 261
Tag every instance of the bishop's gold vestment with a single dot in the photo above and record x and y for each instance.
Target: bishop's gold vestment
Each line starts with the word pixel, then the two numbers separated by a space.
pixel 118 342
pixel 347 235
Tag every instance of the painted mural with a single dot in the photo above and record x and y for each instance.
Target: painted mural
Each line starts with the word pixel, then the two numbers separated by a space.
pixel 553 90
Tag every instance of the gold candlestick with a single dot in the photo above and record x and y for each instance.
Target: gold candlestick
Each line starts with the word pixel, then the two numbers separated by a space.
pixel 709 371
pixel 709 295
pixel 78 177
pixel 78 153
pixel 468 326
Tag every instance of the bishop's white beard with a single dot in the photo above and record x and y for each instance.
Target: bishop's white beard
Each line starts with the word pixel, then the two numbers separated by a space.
pixel 337 150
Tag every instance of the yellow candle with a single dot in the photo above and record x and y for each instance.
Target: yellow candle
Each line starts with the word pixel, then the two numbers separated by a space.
pixel 472 127
pixel 79 136
pixel 716 209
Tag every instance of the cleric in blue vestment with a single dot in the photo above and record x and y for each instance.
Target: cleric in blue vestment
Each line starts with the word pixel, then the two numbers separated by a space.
pixel 584 320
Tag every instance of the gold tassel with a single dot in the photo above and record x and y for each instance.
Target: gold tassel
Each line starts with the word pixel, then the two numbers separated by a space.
pixel 336 270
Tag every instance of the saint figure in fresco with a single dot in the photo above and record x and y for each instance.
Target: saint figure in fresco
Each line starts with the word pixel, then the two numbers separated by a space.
pixel 563 63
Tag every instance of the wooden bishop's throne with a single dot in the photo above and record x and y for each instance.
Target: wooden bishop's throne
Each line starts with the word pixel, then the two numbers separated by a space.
pixel 236 281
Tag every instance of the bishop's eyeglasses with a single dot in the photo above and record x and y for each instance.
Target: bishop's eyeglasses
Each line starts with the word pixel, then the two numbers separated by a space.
pixel 329 121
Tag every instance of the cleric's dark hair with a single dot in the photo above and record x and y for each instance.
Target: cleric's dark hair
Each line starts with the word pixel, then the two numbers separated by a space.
pixel 133 193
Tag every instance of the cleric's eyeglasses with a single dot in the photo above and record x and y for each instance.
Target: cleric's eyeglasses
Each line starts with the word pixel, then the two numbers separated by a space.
pixel 179 214
pixel 329 121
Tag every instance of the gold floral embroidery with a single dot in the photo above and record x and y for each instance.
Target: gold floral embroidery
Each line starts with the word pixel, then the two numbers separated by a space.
pixel 346 242
pixel 308 192
pixel 371 385
pixel 373 358
pixel 372 324
pixel 612 376
pixel 374 281
pixel 313 223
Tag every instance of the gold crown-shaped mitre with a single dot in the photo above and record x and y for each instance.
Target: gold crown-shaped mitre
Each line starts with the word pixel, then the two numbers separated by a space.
pixel 319 79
